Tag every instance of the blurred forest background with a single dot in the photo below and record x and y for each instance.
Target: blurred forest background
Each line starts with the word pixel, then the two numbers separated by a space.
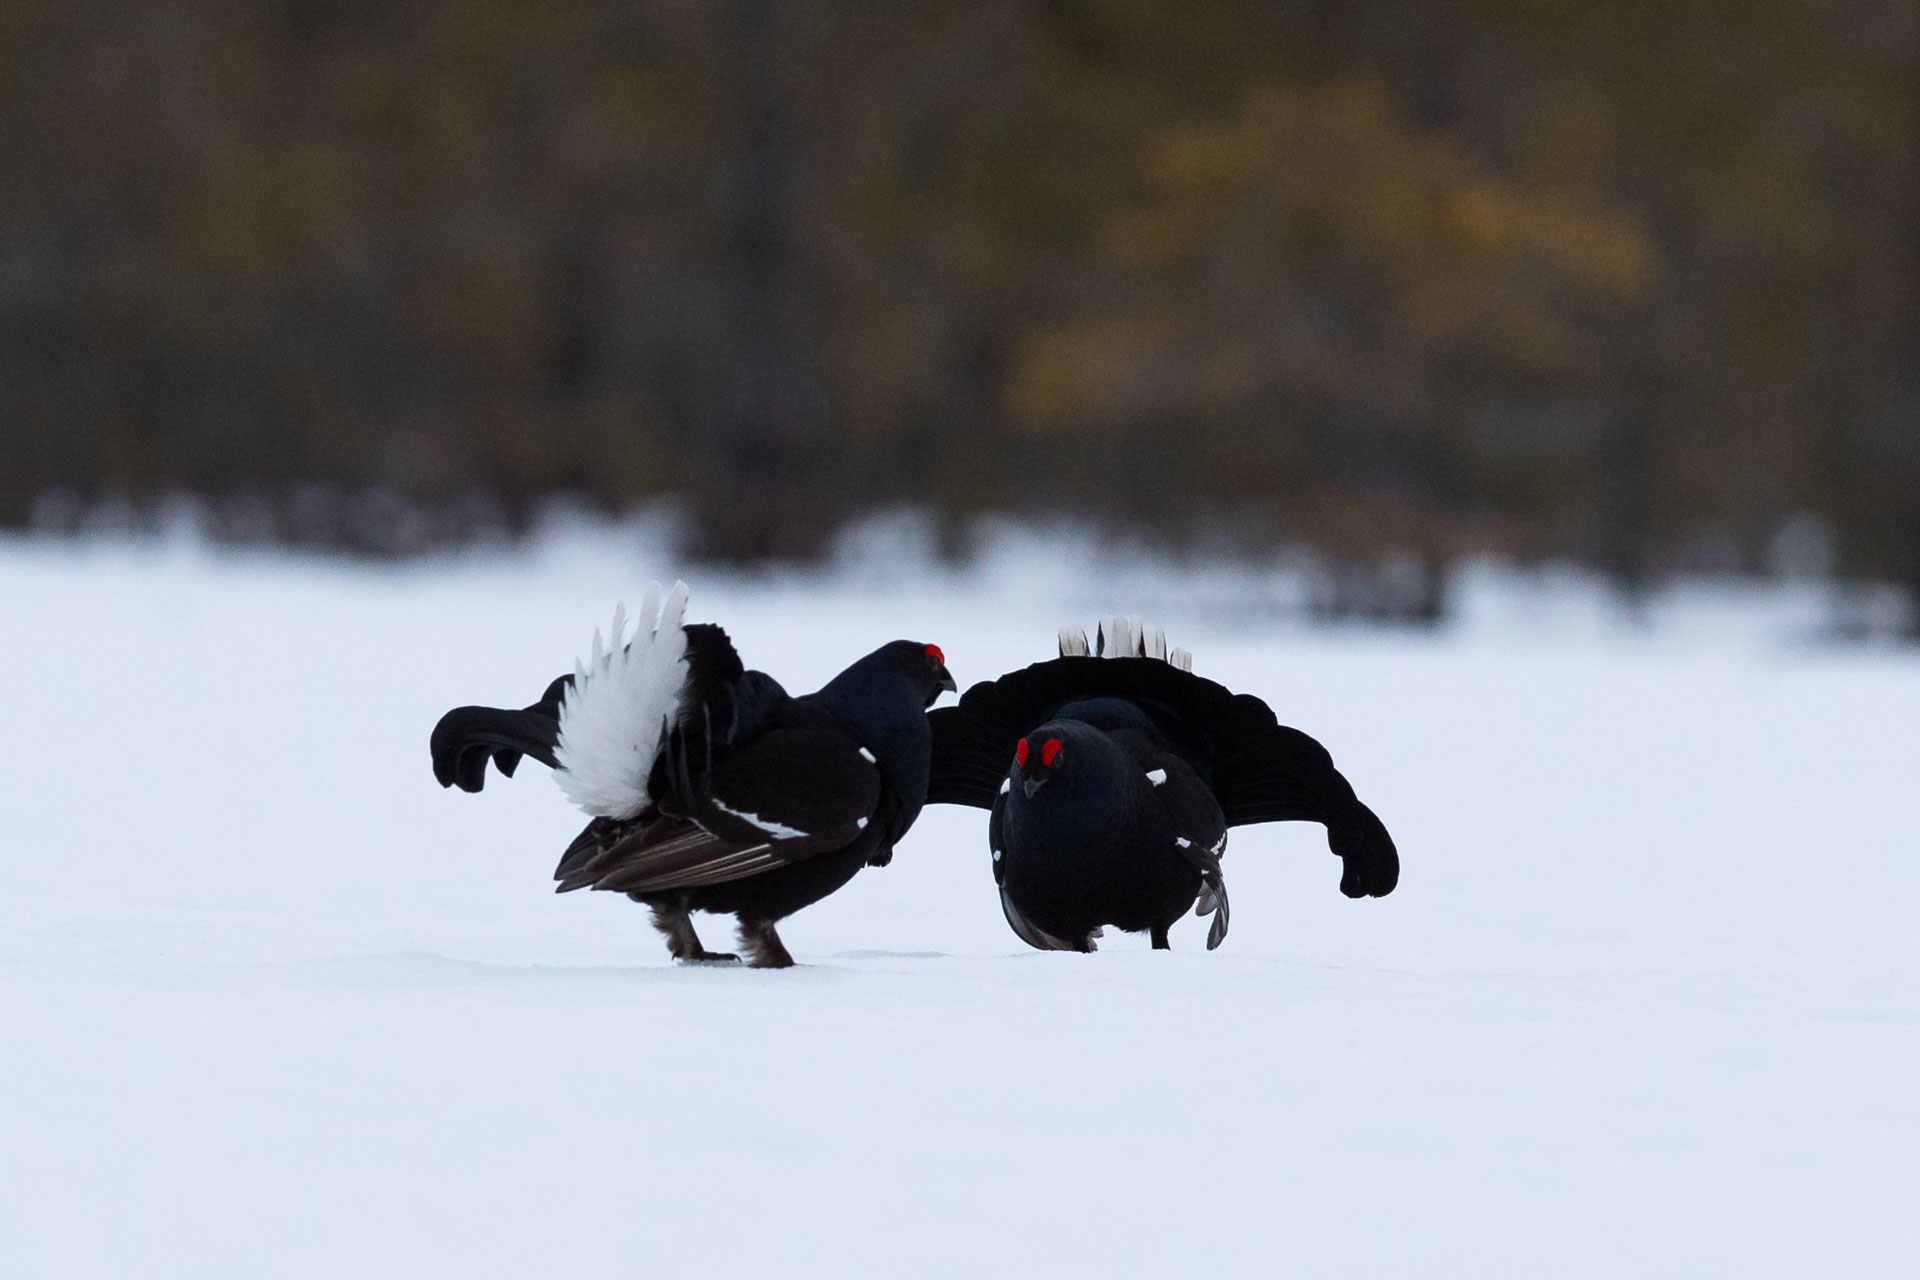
pixel 1631 283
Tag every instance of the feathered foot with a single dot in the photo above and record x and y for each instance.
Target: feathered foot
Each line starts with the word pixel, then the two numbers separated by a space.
pixel 763 945
pixel 1160 942
pixel 683 944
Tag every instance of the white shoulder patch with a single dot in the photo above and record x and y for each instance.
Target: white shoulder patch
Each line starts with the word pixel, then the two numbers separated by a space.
pixel 622 700
pixel 1006 785
pixel 778 830
pixel 1156 776
pixel 867 756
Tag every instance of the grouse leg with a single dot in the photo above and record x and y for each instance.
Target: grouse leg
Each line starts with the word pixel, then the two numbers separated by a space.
pixel 1160 942
pixel 760 942
pixel 683 943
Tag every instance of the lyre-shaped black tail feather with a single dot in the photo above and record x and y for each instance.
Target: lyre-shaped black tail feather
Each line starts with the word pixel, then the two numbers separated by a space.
pixel 467 737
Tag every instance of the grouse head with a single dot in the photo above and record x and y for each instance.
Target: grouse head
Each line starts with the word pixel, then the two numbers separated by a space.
pixel 923 665
pixel 1035 761
pixel 901 677
pixel 932 665
pixel 1065 760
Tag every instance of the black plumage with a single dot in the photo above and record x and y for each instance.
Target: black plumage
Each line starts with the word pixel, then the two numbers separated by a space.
pixel 1113 780
pixel 756 804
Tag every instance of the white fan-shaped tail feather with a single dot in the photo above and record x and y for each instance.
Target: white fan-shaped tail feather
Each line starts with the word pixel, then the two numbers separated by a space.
pixel 622 701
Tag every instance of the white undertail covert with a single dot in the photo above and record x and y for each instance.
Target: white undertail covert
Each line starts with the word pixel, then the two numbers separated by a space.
pixel 622 701
pixel 1123 636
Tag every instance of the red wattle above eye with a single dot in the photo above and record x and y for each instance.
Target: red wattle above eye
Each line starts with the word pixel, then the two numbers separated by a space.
pixel 1020 753
pixel 933 651
pixel 1048 752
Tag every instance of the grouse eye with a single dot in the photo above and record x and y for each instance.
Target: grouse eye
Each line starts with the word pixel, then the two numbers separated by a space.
pixel 1020 753
pixel 1050 752
pixel 933 651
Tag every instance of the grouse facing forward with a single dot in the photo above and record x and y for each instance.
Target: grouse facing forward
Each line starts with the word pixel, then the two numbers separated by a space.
pixel 712 789
pixel 1113 783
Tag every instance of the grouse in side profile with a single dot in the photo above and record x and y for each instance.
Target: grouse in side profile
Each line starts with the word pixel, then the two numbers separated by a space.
pixel 1113 779
pixel 712 789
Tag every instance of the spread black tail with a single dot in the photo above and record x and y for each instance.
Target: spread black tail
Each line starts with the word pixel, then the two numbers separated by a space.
pixel 1259 770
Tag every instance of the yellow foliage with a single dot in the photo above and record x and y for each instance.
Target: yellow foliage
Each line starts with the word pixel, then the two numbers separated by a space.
pixel 1324 190
pixel 1595 247
pixel 1062 376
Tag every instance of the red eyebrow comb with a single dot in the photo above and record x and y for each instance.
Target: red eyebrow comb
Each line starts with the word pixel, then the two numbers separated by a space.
pixel 1020 753
pixel 933 651
pixel 1049 752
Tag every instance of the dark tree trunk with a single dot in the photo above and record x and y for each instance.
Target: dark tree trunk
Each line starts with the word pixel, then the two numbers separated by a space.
pixel 767 489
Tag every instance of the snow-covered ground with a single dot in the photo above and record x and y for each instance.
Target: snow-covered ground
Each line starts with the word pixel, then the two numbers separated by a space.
pixel 1647 1002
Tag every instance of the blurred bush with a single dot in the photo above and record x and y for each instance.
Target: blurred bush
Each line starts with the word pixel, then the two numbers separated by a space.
pixel 1630 283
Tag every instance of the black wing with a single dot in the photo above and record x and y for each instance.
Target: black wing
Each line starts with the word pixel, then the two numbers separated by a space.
pixel 805 782
pixel 1026 930
pixel 655 854
pixel 1200 836
pixel 785 795
pixel 1258 769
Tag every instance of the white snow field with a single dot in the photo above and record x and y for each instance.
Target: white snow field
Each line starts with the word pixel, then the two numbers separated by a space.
pixel 272 1003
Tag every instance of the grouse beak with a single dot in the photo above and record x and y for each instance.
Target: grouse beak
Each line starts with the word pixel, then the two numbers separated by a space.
pixel 943 679
pixel 1032 785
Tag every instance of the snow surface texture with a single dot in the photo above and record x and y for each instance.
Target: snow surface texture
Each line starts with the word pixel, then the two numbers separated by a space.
pixel 1646 1003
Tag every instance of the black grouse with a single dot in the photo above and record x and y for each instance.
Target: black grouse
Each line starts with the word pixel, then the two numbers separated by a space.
pixel 711 788
pixel 1112 785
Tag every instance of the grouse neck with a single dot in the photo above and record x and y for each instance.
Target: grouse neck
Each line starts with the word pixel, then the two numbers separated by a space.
pixel 875 695
pixel 885 708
